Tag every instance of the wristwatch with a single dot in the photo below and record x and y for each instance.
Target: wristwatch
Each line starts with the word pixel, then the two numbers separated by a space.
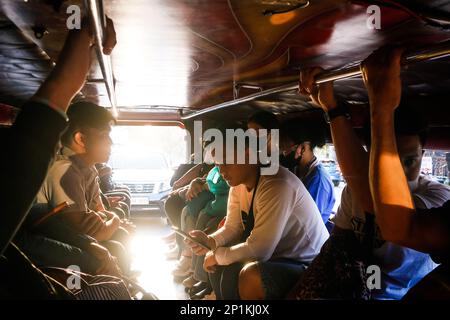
pixel 342 109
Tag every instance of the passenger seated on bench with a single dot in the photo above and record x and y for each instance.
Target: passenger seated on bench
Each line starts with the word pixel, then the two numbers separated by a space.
pixel 74 179
pixel 116 198
pixel 191 199
pixel 48 240
pixel 176 202
pixel 28 149
pixel 298 141
pixel 273 229
pixel 207 220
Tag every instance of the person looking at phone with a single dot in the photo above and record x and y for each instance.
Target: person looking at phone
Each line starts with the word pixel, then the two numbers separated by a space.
pixel 273 229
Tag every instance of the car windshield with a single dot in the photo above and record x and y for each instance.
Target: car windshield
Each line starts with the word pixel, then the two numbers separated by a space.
pixel 139 161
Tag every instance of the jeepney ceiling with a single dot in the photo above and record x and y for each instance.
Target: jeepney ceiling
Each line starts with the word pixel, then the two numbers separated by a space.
pixel 188 55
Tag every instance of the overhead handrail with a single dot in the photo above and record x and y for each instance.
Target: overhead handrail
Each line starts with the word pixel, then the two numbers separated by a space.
pixel 437 51
pixel 237 87
pixel 98 18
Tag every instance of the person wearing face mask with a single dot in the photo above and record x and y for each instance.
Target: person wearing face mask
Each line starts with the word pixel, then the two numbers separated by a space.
pixel 298 141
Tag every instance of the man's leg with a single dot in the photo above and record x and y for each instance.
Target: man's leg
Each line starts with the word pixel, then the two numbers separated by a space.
pixel 123 236
pixel 118 250
pixel 225 281
pixel 250 282
pixel 22 280
pixel 269 280
pixel 214 279
pixel 44 251
pixel 173 207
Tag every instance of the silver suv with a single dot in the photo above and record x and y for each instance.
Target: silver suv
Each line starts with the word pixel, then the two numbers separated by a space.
pixel 147 174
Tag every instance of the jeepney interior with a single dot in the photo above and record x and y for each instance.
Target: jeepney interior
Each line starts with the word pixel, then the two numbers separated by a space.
pixel 216 61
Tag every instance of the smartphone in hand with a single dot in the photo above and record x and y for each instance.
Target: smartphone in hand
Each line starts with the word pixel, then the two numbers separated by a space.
pixel 187 236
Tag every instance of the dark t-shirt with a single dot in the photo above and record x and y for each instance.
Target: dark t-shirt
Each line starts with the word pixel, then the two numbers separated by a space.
pixel 28 148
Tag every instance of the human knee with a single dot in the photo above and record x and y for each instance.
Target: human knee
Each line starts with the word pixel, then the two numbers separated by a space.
pixel 250 284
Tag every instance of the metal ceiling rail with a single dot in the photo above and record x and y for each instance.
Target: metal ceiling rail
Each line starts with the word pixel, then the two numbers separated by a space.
pixel 437 51
pixel 97 15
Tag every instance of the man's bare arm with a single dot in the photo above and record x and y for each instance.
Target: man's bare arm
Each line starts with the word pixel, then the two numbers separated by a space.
pixel 394 206
pixel 352 157
pixel 69 74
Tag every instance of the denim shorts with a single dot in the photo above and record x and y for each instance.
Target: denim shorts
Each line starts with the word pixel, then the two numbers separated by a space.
pixel 279 276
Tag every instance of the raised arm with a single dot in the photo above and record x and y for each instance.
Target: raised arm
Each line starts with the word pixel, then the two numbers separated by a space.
pixel 352 157
pixel 69 74
pixel 394 207
pixel 190 175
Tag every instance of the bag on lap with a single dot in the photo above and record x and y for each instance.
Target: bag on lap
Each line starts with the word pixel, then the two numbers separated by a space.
pixel 339 271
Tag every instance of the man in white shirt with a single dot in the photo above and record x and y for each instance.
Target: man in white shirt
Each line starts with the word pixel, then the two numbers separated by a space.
pixel 273 229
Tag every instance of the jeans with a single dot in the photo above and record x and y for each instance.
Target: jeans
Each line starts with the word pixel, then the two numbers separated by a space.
pixel 45 251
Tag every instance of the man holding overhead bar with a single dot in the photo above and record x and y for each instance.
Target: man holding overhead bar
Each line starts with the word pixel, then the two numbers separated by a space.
pixel 401 267
pixel 399 219
pixel 35 142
